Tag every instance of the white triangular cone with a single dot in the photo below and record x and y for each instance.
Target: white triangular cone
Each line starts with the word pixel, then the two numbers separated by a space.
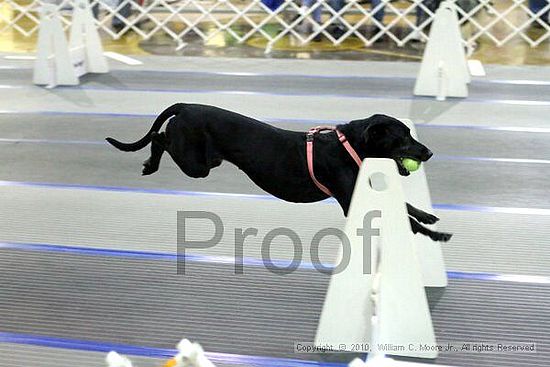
pixel 429 253
pixel 44 48
pixel 61 63
pixel 397 294
pixel 53 62
pixel 444 70
pixel 85 42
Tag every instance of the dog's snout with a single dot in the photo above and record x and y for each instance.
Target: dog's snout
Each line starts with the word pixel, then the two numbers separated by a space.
pixel 424 153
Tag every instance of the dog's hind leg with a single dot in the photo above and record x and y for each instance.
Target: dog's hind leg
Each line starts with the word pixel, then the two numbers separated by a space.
pixel 158 143
pixel 198 157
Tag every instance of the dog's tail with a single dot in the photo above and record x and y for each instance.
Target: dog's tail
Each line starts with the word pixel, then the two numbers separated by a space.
pixel 143 142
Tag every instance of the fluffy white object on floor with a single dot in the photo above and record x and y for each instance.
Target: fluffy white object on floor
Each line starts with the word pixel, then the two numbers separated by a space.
pixel 114 359
pixel 191 355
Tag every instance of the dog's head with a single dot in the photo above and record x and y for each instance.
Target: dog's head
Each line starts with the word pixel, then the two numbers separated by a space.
pixel 386 137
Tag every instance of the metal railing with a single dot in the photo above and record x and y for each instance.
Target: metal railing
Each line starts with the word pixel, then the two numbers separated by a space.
pixel 400 22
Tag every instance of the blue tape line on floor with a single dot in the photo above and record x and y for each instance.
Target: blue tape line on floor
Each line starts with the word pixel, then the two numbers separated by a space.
pixel 451 207
pixel 131 350
pixel 517 102
pixel 312 122
pixel 246 261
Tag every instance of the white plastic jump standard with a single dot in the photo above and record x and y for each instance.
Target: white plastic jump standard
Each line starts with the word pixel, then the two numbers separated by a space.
pixel 59 63
pixel 386 307
pixel 53 63
pixel 444 69
pixel 429 254
pixel 85 42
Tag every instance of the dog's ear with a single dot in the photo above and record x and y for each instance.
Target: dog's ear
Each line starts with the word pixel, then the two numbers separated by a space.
pixel 373 132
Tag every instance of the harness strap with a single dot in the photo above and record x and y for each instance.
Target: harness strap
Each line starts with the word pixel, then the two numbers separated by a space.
pixel 309 153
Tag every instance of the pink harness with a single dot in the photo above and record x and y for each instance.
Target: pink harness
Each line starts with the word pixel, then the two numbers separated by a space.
pixel 309 152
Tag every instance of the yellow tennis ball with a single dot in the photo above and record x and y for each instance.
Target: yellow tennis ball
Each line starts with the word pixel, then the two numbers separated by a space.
pixel 411 165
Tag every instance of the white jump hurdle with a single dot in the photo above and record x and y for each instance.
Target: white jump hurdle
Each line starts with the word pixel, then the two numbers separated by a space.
pixel 384 308
pixel 59 62
pixel 428 252
pixel 444 69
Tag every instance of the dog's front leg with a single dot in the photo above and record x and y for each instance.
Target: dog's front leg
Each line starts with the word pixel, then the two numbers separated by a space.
pixel 342 193
pixel 421 215
pixel 436 236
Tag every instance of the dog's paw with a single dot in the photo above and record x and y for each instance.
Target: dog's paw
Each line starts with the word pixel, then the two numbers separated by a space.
pixel 441 236
pixel 148 168
pixel 427 218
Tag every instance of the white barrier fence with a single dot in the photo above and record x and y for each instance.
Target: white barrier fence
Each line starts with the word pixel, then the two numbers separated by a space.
pixel 399 21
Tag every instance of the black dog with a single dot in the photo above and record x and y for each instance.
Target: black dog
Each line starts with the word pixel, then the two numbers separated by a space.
pixel 199 138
